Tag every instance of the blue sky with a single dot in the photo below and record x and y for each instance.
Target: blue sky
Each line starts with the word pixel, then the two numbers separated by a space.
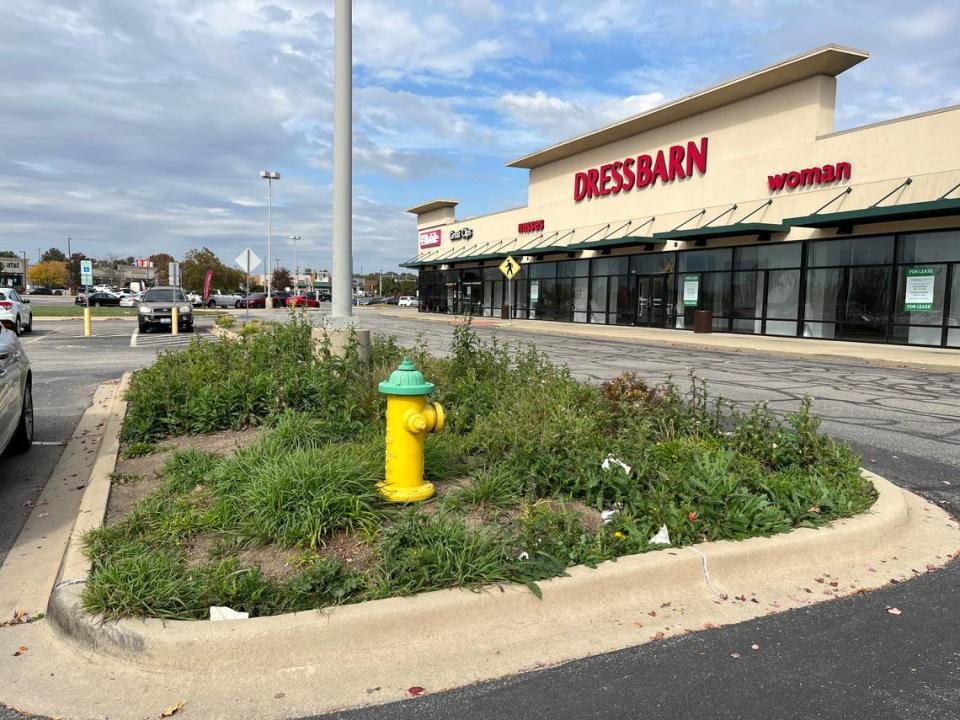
pixel 140 127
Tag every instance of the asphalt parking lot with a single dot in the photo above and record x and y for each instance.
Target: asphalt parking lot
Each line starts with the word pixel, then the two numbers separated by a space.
pixel 842 659
pixel 67 367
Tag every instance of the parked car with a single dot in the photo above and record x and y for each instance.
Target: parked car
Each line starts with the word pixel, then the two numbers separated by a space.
pixel 305 300
pixel 218 298
pixel 408 301
pixel 131 300
pixel 156 309
pixel 392 300
pixel 15 311
pixel 40 291
pixel 253 300
pixel 195 299
pixel 16 395
pixel 98 299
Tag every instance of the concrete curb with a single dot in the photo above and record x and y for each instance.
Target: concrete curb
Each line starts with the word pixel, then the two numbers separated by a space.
pixel 579 615
pixel 49 318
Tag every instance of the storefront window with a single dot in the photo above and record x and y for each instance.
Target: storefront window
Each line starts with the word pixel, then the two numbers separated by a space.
pixel 573 268
pixel 598 299
pixel 851 251
pixel 930 247
pixel 619 265
pixel 823 291
pixel 867 304
pixel 760 257
pixel 653 263
pixel 543 270
pixel 706 260
pixel 581 288
pixel 620 301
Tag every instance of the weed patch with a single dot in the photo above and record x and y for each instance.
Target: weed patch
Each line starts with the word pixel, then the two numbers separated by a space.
pixel 291 518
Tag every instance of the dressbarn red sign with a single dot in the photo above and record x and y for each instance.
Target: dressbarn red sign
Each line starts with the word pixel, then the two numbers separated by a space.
pixel 676 162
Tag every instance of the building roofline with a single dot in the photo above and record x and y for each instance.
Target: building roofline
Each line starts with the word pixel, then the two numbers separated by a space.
pixel 890 121
pixel 432 205
pixel 828 60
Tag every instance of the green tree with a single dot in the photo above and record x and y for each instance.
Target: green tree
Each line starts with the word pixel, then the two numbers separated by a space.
pixel 282 279
pixel 161 263
pixel 73 280
pixel 194 269
pixel 8 253
pixel 53 255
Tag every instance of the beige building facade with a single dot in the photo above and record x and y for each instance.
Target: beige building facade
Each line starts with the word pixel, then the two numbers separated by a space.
pixel 740 200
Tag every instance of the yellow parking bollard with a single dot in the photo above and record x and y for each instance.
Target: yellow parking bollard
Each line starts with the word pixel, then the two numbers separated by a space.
pixel 175 321
pixel 410 416
pixel 87 331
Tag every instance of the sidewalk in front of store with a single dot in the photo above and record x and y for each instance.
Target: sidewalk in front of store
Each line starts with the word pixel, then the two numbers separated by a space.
pixel 868 353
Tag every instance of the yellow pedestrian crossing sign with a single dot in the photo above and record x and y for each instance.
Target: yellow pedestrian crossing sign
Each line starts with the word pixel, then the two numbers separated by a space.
pixel 509 267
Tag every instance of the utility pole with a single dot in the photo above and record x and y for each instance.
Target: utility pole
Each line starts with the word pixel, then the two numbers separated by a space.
pixel 342 161
pixel 269 176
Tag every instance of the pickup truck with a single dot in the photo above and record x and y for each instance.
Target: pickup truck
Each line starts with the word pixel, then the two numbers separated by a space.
pixel 218 298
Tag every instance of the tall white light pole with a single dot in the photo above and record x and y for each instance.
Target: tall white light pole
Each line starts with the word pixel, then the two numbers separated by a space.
pixel 296 267
pixel 269 176
pixel 342 161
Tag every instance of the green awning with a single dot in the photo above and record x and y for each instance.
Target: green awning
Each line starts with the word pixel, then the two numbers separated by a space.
pixel 720 231
pixel 540 250
pixel 886 213
pixel 615 242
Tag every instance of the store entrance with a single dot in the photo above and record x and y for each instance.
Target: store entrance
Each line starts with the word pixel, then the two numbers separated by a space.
pixel 653 293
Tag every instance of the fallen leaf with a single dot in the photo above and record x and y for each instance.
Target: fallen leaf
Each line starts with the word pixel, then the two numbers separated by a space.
pixel 658 636
pixel 815 510
pixel 652 613
pixel 834 583
pixel 894 611
pixel 415 690
pixel 172 710
pixel 21 650
pixel 819 580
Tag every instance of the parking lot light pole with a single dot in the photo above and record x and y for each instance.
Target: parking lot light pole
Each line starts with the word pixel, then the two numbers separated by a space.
pixel 342 161
pixel 296 267
pixel 269 176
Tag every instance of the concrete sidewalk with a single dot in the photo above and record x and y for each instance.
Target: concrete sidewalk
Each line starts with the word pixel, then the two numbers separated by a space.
pixel 868 353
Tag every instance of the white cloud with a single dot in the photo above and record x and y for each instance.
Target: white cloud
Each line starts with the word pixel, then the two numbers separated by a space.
pixel 556 118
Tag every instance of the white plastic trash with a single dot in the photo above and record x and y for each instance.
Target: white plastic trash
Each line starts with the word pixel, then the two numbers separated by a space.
pixel 607 515
pixel 611 461
pixel 662 537
pixel 224 613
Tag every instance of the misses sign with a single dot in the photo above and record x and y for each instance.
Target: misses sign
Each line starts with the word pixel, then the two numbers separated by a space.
pixel 430 238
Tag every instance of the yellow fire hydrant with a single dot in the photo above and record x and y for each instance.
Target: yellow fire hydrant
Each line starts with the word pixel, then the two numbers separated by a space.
pixel 410 416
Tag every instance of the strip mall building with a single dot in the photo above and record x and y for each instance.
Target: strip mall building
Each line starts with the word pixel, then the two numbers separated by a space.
pixel 741 200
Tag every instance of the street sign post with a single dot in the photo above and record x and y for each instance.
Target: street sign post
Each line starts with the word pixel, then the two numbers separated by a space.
pixel 86 279
pixel 509 267
pixel 248 260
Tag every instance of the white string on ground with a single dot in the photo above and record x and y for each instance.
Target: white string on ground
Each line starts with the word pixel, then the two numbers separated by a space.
pixel 706 573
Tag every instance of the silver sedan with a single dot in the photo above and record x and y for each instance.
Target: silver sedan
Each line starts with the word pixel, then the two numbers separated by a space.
pixel 16 395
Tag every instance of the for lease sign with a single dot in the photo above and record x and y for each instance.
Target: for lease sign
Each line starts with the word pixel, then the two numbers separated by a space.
pixel 429 238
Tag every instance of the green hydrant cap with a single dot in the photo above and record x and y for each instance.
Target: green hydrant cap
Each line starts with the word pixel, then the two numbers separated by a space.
pixel 406 380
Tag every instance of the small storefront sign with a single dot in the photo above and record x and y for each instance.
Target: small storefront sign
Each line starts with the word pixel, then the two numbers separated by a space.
pixel 691 290
pixel 534 291
pixel 918 292
pixel 461 234
pixel 430 238
pixel 810 176
pixel 531 227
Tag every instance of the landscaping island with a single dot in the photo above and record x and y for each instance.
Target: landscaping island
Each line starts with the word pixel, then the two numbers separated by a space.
pixel 249 475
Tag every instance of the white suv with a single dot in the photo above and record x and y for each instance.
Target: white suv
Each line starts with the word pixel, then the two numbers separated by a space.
pixel 407 301
pixel 15 312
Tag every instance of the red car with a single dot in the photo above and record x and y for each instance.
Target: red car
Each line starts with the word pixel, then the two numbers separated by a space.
pixel 302 301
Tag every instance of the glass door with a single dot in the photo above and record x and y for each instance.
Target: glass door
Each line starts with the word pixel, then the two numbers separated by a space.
pixel 653 300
